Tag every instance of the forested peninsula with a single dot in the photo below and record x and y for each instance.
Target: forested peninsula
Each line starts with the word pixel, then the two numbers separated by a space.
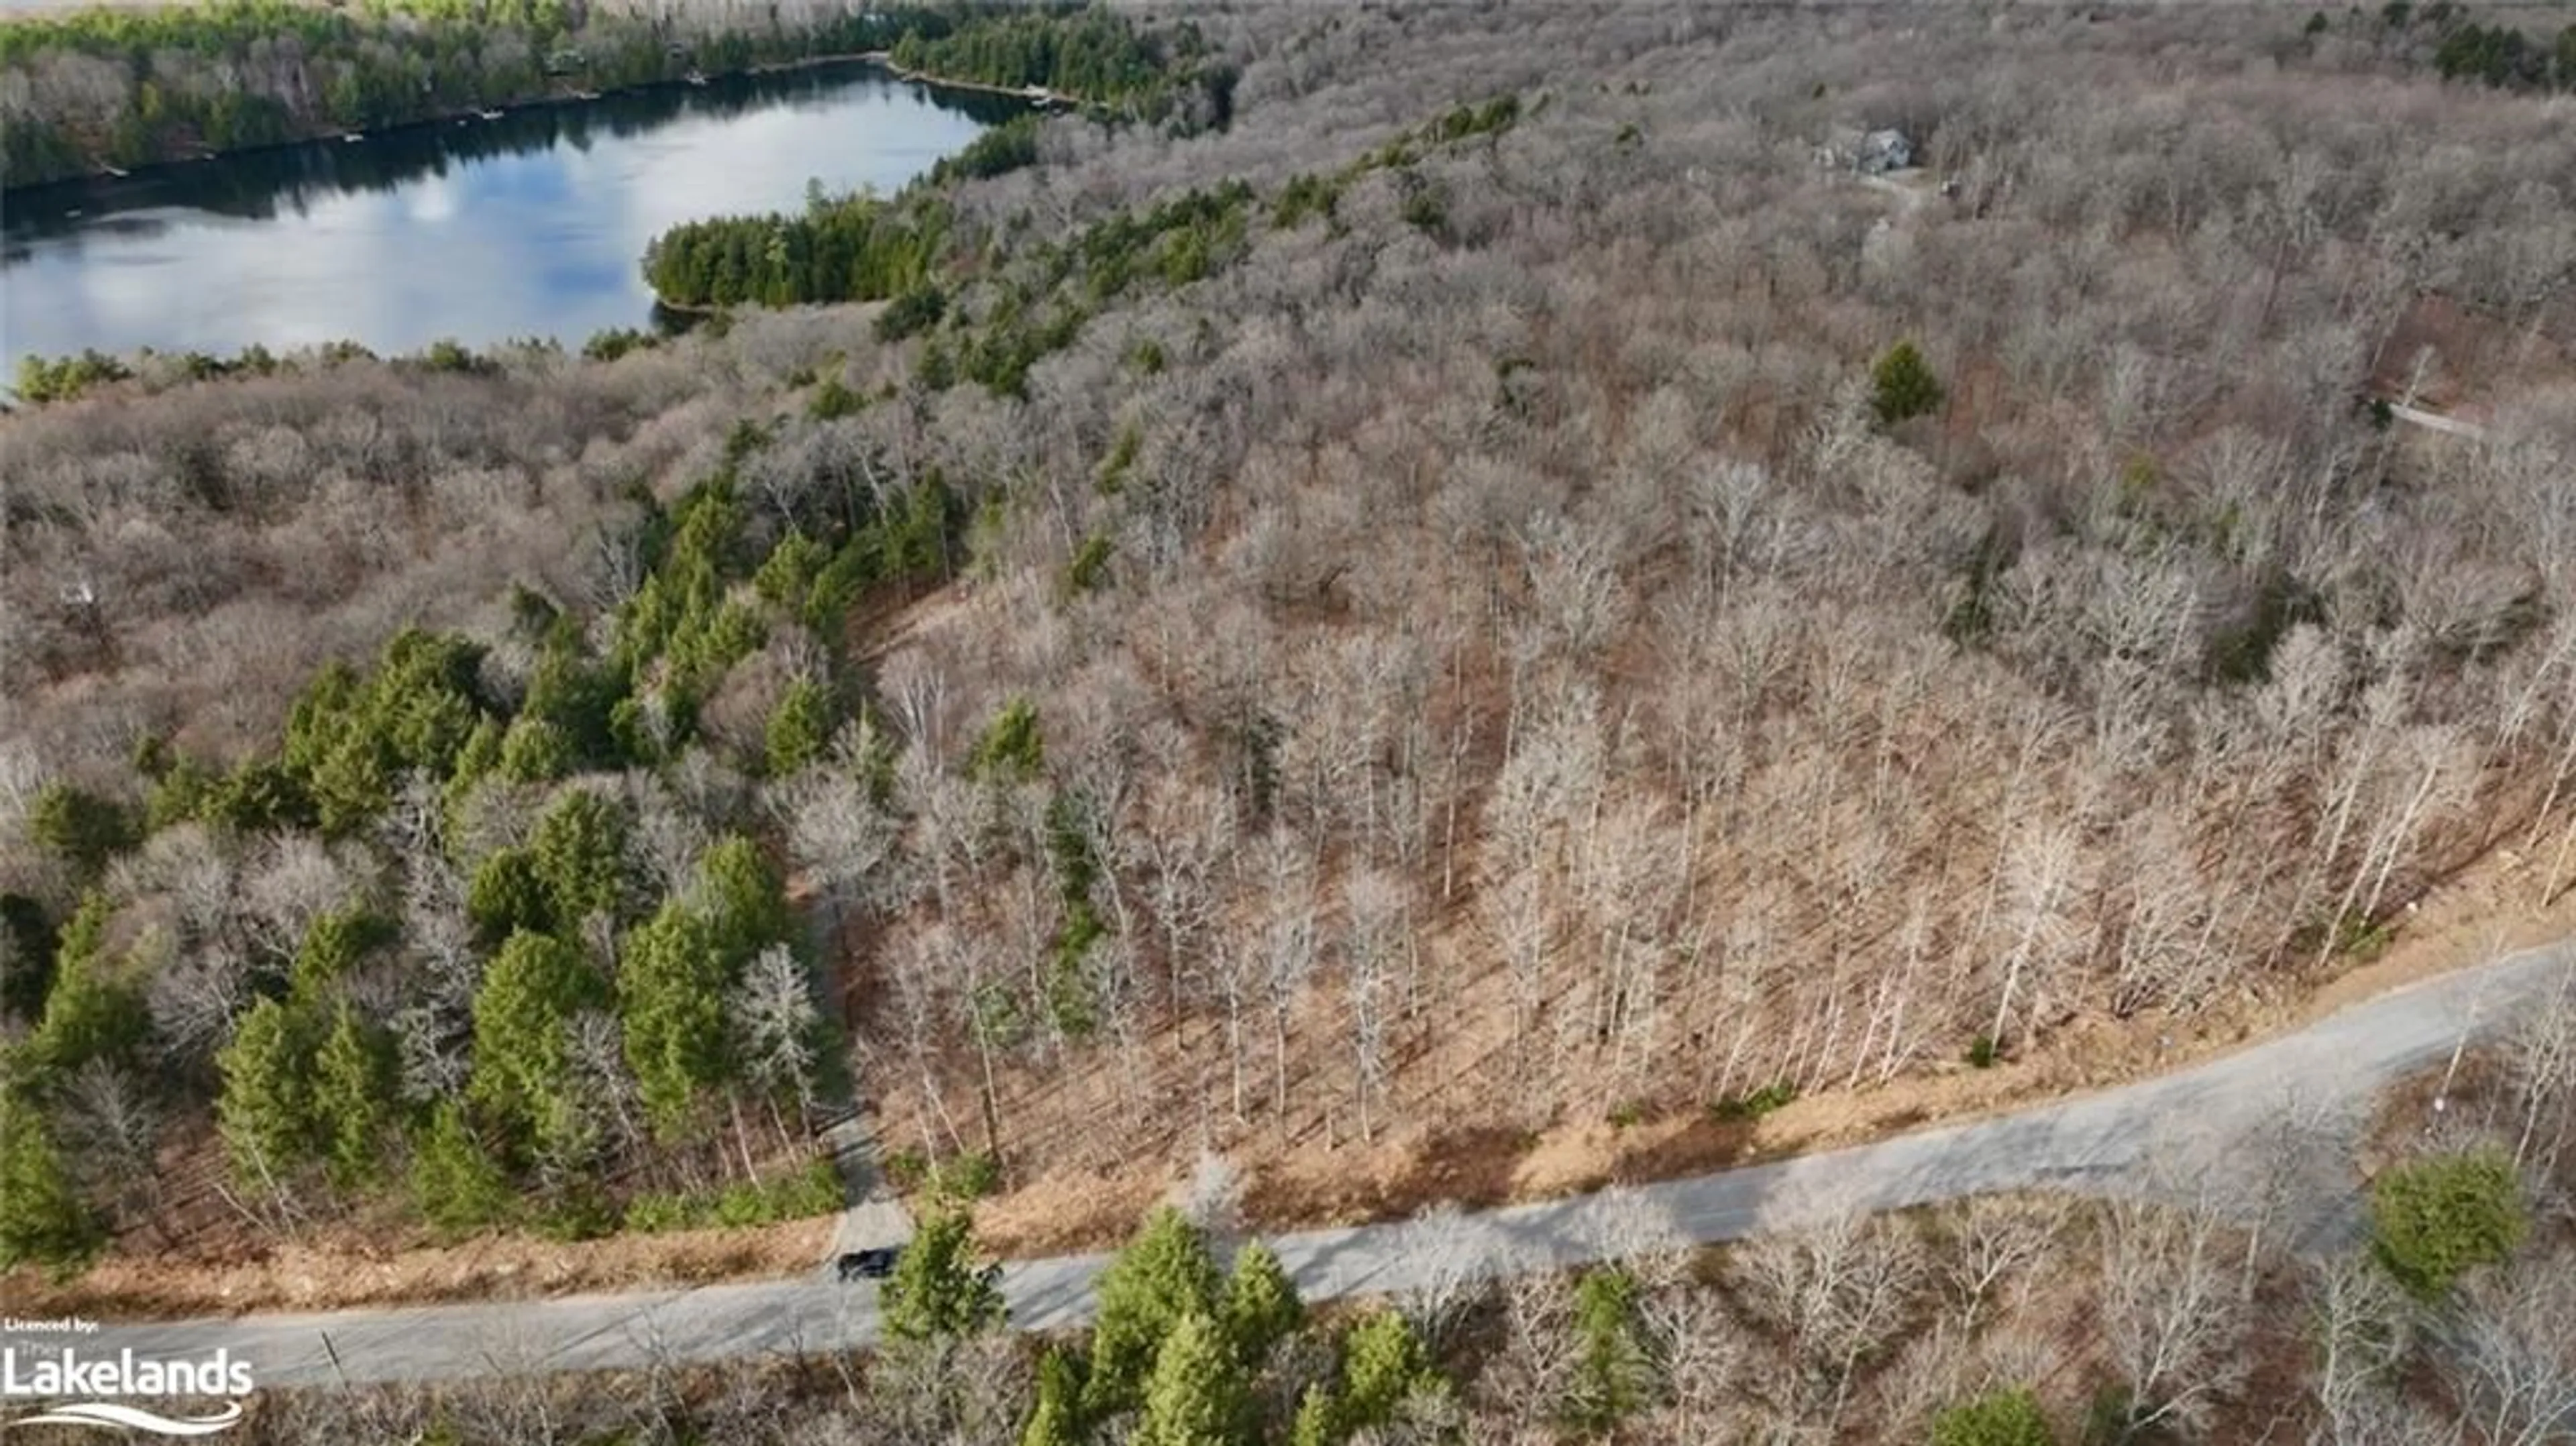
pixel 111 89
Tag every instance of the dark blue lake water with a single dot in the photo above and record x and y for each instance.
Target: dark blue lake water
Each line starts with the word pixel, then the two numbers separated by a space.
pixel 529 225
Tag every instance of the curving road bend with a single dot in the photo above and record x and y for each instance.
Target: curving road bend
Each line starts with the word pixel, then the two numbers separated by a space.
pixel 2180 1130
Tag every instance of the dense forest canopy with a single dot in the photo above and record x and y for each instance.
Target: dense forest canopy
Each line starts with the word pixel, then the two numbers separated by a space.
pixel 1096 57
pixel 1493 593
pixel 131 86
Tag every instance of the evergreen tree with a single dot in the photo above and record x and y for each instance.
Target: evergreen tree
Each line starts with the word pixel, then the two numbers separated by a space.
pixel 1902 385
pixel 261 795
pixel 83 828
pixel 1057 1418
pixel 508 895
pixel 349 782
pixel 1319 1419
pixel 671 985
pixel 1612 1372
pixel 89 1012
pixel 743 901
pixel 28 942
pixel 353 1099
pixel 939 1290
pixel 522 1014
pixel 1383 1363
pixel 1162 1276
pixel 43 1220
pixel 575 696
pixel 478 760
pixel 800 729
pixel 679 967
pixel 579 857
pixel 265 1112
pixel 1196 1395
pixel 455 1182
pixel 185 790
pixel 1261 1305
pixel 332 947
pixel 534 751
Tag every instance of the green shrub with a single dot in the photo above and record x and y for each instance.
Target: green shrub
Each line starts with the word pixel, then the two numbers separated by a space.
pixel 617 341
pixel 1427 211
pixel 1013 747
pixel 448 355
pixel 814 1190
pixel 64 378
pixel 911 314
pixel 970 1176
pixel 658 1214
pixel 83 828
pixel 1902 385
pixel 2437 1218
pixel 905 1168
pixel 1754 1106
pixel 2003 1418
pixel 2362 940
pixel 578 1213
pixel 1492 118
pixel 1112 477
pixel 834 400
pixel 1304 197
pixel 1089 567
pixel 797 1195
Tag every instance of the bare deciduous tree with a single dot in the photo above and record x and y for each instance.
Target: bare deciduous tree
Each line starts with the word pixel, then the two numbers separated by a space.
pixel 1835 1290
pixel 1993 1244
pixel 2174 1311
pixel 2361 1342
pixel 2508 1351
pixel 777 1026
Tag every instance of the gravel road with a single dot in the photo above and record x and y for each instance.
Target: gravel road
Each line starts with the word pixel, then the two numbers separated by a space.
pixel 2185 1129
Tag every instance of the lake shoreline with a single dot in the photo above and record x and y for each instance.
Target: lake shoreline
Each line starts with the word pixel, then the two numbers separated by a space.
pixel 879 59
pixel 479 235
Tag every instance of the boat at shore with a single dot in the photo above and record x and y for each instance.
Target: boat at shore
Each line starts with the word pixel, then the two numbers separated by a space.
pixel 488 114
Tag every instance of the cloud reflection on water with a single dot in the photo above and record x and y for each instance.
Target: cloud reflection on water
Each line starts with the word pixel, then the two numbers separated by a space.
pixel 531 225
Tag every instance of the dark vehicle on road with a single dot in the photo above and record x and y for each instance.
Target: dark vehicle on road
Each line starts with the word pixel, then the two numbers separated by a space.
pixel 868 1264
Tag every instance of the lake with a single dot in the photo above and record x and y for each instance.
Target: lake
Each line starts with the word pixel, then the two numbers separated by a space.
pixel 533 224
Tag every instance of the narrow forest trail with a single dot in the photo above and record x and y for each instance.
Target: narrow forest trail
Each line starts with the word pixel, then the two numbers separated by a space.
pixel 2228 1128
